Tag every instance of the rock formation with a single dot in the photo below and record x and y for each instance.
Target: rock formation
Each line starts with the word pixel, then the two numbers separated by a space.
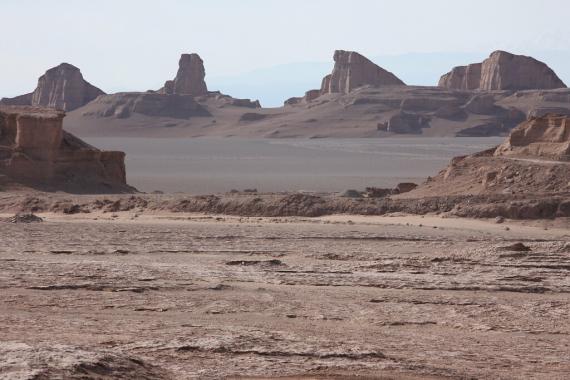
pixel 505 71
pixel 462 77
pixel 502 71
pixel 309 96
pixel 124 105
pixel 61 87
pixel 352 70
pixel 544 137
pixel 184 97
pixel 531 163
pixel 247 103
pixel 35 150
pixel 189 79
pixel 404 123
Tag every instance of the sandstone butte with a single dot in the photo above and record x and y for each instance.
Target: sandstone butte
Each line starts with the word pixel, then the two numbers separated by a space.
pixel 61 87
pixel 36 151
pixel 189 79
pixel 502 71
pixel 351 70
pixel 184 97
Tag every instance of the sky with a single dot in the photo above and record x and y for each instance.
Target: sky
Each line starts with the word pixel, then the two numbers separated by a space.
pixel 134 45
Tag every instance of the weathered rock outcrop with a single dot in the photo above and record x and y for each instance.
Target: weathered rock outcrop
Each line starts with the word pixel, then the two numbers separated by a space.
pixel 124 105
pixel 61 87
pixel 58 361
pixel 543 137
pixel 189 79
pixel 404 123
pixel 531 163
pixel 503 71
pixel 247 103
pixel 543 111
pixel 506 71
pixel 462 77
pixel 352 70
pixel 182 98
pixel 309 97
pixel 35 150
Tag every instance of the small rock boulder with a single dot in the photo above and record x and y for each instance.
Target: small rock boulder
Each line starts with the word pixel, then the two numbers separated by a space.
pixel 24 218
pixel 404 187
pixel 408 123
pixel 516 247
pixel 351 193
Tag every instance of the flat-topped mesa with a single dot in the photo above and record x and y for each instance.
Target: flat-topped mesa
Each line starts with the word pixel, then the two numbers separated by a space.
pixel 502 71
pixel 35 150
pixel 61 87
pixel 352 70
pixel 542 137
pixel 189 79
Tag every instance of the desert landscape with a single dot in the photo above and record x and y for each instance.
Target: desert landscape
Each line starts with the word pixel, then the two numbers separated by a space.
pixel 367 229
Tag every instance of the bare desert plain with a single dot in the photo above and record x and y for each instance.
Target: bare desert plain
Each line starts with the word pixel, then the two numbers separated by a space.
pixel 161 295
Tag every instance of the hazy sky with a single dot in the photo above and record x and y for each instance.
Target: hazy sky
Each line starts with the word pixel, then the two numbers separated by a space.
pixel 135 44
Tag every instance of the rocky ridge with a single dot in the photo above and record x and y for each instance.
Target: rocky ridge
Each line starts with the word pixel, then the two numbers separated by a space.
pixel 182 99
pixel 545 137
pixel 358 99
pixel 532 162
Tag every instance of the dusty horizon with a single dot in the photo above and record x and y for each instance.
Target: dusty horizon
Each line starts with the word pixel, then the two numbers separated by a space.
pixel 259 55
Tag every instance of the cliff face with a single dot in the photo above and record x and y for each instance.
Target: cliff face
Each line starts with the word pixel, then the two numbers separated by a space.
pixel 189 79
pixel 502 71
pixel 35 150
pixel 462 77
pixel 352 70
pixel 61 87
pixel 545 137
pixel 505 71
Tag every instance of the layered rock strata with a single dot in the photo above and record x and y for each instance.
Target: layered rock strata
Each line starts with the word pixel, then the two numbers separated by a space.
pixel 36 150
pixel 502 71
pixel 546 137
pixel 61 87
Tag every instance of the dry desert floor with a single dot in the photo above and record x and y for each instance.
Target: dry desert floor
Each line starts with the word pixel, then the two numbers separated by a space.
pixel 188 296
